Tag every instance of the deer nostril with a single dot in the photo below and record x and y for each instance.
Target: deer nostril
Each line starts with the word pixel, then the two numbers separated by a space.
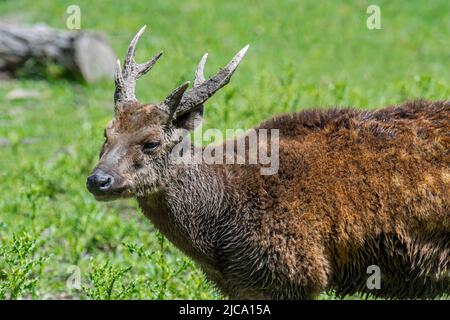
pixel 99 182
pixel 105 182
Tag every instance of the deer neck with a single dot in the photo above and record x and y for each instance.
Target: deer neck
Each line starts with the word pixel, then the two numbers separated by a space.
pixel 187 209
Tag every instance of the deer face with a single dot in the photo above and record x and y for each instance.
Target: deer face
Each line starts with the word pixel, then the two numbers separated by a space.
pixel 134 155
pixel 134 159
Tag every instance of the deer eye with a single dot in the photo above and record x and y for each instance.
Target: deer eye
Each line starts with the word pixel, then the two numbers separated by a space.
pixel 150 146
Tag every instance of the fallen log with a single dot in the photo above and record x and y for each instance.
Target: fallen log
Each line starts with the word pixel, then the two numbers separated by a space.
pixel 85 53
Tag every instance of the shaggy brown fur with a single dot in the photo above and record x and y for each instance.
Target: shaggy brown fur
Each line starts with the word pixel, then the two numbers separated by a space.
pixel 362 188
pixel 354 189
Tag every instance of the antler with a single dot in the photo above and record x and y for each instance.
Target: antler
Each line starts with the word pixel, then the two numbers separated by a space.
pixel 178 102
pixel 204 89
pixel 172 101
pixel 199 73
pixel 126 79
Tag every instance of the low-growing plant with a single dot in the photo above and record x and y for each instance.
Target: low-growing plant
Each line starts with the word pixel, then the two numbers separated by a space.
pixel 108 282
pixel 159 267
pixel 20 267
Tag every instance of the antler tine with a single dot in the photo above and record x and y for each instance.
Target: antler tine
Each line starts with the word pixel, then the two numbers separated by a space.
pixel 233 64
pixel 199 73
pixel 129 58
pixel 118 79
pixel 126 78
pixel 140 68
pixel 143 68
pixel 203 90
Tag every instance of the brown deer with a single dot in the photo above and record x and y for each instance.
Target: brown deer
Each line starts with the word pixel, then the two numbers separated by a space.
pixel 353 189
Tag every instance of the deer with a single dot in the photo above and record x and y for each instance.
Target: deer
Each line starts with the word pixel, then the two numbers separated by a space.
pixel 354 189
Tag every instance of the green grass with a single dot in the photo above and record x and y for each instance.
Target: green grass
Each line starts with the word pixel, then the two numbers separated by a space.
pixel 303 54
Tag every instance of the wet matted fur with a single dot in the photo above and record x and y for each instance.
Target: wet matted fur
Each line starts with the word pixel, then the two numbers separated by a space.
pixel 354 189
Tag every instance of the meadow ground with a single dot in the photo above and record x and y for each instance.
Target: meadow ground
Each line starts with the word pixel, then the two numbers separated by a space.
pixel 303 54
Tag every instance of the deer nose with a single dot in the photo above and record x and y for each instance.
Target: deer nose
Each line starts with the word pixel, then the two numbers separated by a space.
pixel 99 182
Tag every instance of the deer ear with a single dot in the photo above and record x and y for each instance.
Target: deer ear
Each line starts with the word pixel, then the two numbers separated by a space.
pixel 172 101
pixel 190 120
pixel 193 118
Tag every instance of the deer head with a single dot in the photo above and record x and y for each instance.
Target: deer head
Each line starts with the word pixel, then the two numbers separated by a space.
pixel 134 159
